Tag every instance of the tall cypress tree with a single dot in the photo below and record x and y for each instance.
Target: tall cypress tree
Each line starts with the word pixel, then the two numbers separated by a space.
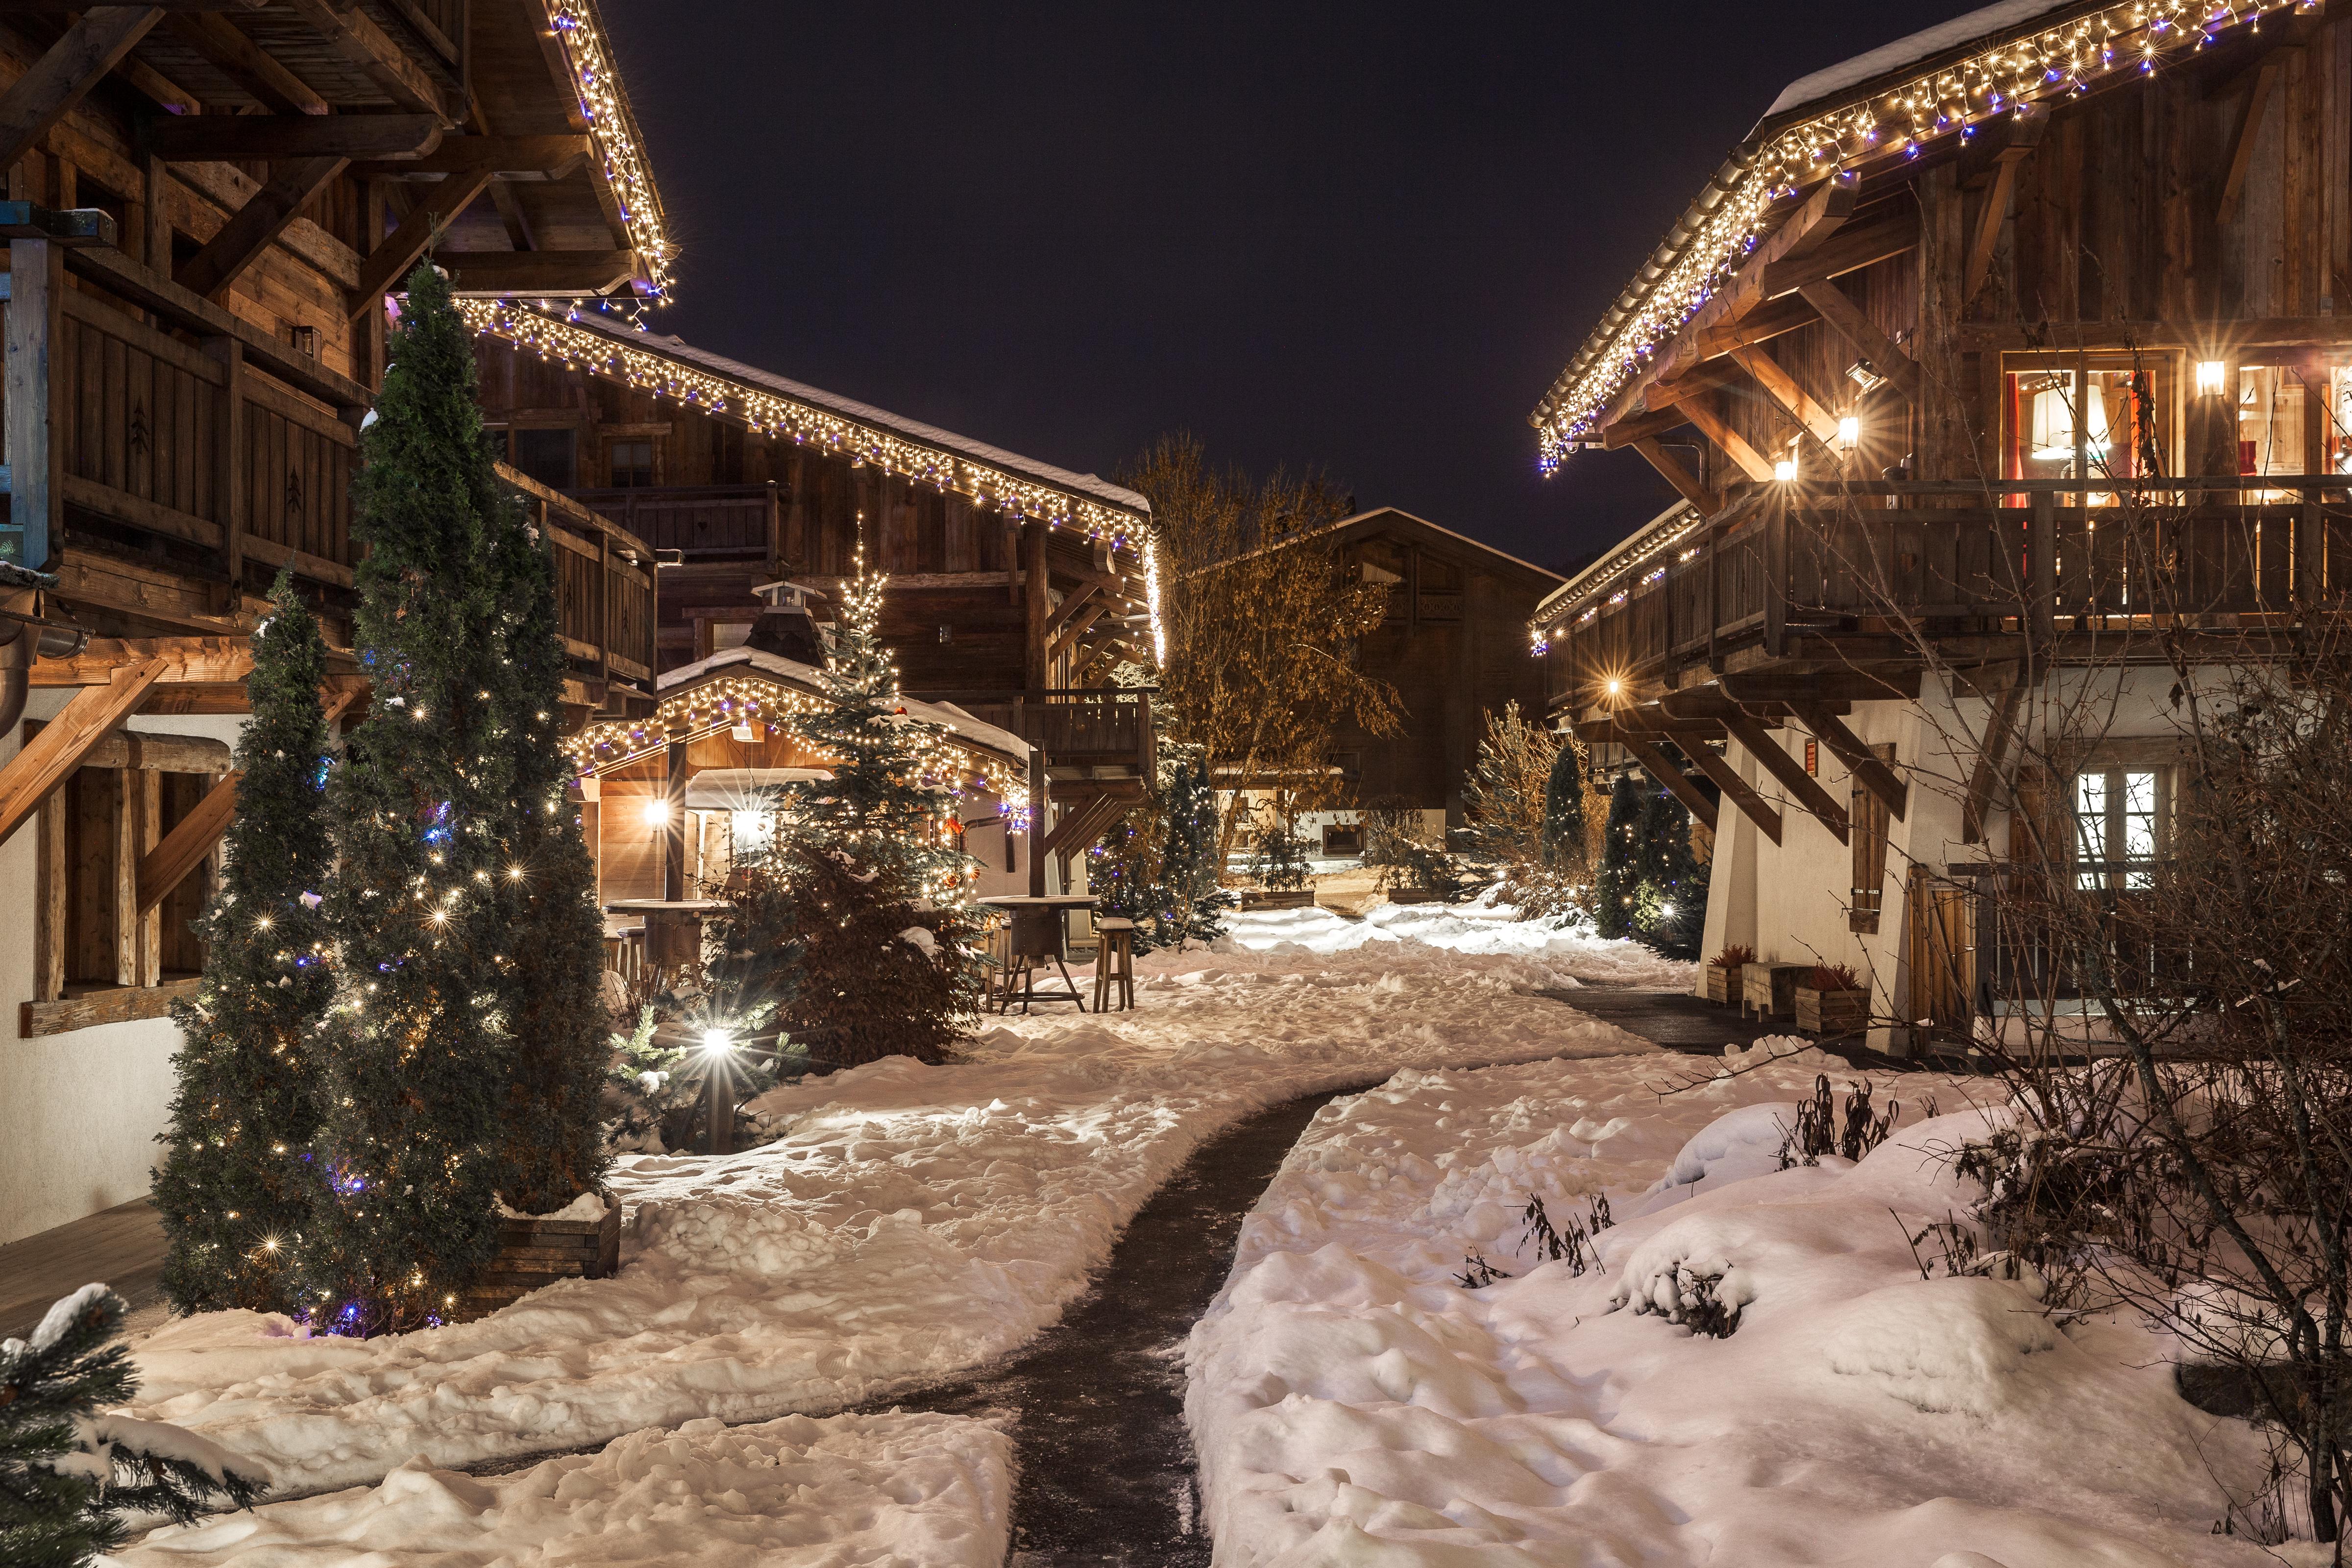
pixel 1672 898
pixel 1563 806
pixel 235 1189
pixel 553 1000
pixel 1617 885
pixel 421 1041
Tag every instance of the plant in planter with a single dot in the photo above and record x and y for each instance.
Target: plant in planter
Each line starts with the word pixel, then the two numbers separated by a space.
pixel 1723 972
pixel 1832 1001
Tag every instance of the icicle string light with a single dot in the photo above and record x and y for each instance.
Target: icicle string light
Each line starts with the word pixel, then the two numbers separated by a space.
pixel 614 127
pixel 2007 78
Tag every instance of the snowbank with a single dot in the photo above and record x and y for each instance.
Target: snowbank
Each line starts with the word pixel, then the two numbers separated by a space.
pixel 1353 1405
pixel 852 1489
pixel 910 1223
pixel 1568 951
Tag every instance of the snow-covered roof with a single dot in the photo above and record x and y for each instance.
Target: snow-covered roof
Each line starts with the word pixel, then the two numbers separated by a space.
pixel 1835 80
pixel 809 678
pixel 731 789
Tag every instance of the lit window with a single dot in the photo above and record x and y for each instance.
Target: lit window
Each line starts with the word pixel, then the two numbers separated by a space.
pixel 2116 824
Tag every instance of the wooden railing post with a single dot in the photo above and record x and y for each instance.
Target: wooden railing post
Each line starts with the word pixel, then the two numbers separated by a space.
pixel 1776 575
pixel 229 477
pixel 2041 568
pixel 2310 552
pixel 35 357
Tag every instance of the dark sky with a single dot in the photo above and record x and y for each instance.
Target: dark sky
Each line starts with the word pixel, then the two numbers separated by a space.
pixel 1364 236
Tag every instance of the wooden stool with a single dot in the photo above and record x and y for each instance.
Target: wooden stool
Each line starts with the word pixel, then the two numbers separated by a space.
pixel 1115 963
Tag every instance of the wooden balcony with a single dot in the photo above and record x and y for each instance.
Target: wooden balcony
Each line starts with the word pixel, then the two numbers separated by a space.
pixel 1088 734
pixel 1836 575
pixel 168 458
pixel 702 522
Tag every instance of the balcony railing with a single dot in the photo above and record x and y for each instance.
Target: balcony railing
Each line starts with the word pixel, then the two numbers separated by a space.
pixel 705 522
pixel 1920 559
pixel 1088 728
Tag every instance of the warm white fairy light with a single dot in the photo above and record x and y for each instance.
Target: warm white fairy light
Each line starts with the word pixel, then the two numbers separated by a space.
pixel 614 127
pixel 2058 62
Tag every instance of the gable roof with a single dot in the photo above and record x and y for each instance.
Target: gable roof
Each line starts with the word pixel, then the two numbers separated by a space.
pixel 1874 112
pixel 1384 518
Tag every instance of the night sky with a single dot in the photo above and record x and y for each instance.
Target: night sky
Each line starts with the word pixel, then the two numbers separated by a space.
pixel 1364 238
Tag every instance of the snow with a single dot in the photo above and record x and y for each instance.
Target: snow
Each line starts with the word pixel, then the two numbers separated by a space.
pixel 808 678
pixel 908 1222
pixel 1485 926
pixel 61 1317
pixel 1353 1405
pixel 1967 28
pixel 896 1489
pixel 587 1206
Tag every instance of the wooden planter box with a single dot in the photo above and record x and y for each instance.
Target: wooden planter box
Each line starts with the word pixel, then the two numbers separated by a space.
pixel 1722 982
pixel 1277 898
pixel 1770 989
pixel 1413 896
pixel 1832 1012
pixel 536 1252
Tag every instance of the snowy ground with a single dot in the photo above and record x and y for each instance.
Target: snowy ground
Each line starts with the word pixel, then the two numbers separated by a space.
pixel 1354 1405
pixel 910 1223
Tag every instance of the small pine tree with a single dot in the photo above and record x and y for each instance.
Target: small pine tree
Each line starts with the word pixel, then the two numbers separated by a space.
pixel 552 991
pixel 866 860
pixel 68 1476
pixel 1563 805
pixel 1617 885
pixel 420 1041
pixel 1673 899
pixel 235 1189
pixel 1188 861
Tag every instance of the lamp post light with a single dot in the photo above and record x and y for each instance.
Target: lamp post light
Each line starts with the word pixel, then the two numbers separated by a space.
pixel 719 1089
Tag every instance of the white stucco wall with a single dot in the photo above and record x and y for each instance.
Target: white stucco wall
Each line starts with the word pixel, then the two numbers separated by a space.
pixel 78 1112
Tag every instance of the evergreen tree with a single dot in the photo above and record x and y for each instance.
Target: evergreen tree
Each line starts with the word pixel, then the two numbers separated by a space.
pixel 235 1189
pixel 420 1039
pixel 69 1475
pixel 1563 805
pixel 1189 866
pixel 553 990
pixel 1673 899
pixel 873 883
pixel 1617 885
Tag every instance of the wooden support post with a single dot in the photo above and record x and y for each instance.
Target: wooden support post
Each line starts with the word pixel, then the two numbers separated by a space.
pixel 1783 390
pixel 1667 774
pixel 1776 574
pixel 154 240
pixel 59 749
pixel 2023 136
pixel 53 84
pixel 1038 804
pixel 187 847
pixel 35 351
pixel 142 827
pixel 1035 673
pixel 232 505
pixel 50 887
pixel 391 259
pixel 2001 721
pixel 1707 417
pixel 674 826
pixel 2041 568
pixel 1865 763
pixel 1790 774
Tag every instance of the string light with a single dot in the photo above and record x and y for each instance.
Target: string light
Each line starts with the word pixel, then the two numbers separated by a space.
pixel 613 127
pixel 2054 63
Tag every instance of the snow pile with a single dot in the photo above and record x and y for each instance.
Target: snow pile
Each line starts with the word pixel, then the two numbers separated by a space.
pixel 896 1489
pixel 1568 950
pixel 1352 1404
pixel 909 1224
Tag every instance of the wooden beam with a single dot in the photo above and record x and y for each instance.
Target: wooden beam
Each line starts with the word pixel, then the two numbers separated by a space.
pixel 212 270
pixel 1783 389
pixel 269 138
pixel 2249 127
pixel 1829 689
pixel 1685 483
pixel 177 661
pixel 1071 605
pixel 1806 789
pixel 138 749
pixel 184 848
pixel 391 261
pixel 1838 309
pixel 65 74
pixel 253 69
pixel 1068 637
pixel 505 154
pixel 1875 775
pixel 2000 722
pixel 1035 608
pixel 2022 137
pixel 1667 774
pixel 353 35
pixel 528 271
pixel 59 748
pixel 38 402
pixel 1637 427
pixel 114 1006
pixel 1737 791
pixel 1707 417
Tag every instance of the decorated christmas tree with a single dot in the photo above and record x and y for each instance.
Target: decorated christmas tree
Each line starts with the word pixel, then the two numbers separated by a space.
pixel 422 1037
pixel 1673 900
pixel 1563 805
pixel 868 867
pixel 1156 865
pixel 236 1189
pixel 553 989
pixel 1617 884
pixel 70 1476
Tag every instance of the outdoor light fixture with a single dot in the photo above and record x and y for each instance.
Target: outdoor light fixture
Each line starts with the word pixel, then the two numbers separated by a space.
pixel 716 1040
pixel 1849 434
pixel 591 786
pixel 742 731
pixel 1864 376
pixel 1786 468
pixel 2209 372
pixel 1616 687
pixel 657 811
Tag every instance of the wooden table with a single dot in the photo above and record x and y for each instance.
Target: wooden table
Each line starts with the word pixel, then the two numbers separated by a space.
pixel 1039 931
pixel 673 927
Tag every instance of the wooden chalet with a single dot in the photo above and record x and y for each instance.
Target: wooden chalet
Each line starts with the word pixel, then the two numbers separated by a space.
pixel 2002 349
pixel 1015 587
pixel 207 202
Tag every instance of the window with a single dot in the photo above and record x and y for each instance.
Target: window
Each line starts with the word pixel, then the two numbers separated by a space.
pixel 551 457
pixel 2082 417
pixel 1343 838
pixel 2295 418
pixel 2119 814
pixel 632 463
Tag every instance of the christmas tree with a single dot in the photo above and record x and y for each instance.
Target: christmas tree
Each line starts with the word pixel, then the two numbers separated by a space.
pixel 235 1188
pixel 552 991
pixel 867 864
pixel 420 1037
pixel 69 1475
pixel 1563 805
pixel 1673 900
pixel 1617 885
pixel 1156 865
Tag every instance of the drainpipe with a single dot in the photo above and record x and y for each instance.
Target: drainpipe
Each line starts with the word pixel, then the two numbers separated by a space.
pixel 23 637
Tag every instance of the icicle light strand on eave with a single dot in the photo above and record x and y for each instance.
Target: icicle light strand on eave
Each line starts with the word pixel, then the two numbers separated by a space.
pixel 615 128
pixel 2060 62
